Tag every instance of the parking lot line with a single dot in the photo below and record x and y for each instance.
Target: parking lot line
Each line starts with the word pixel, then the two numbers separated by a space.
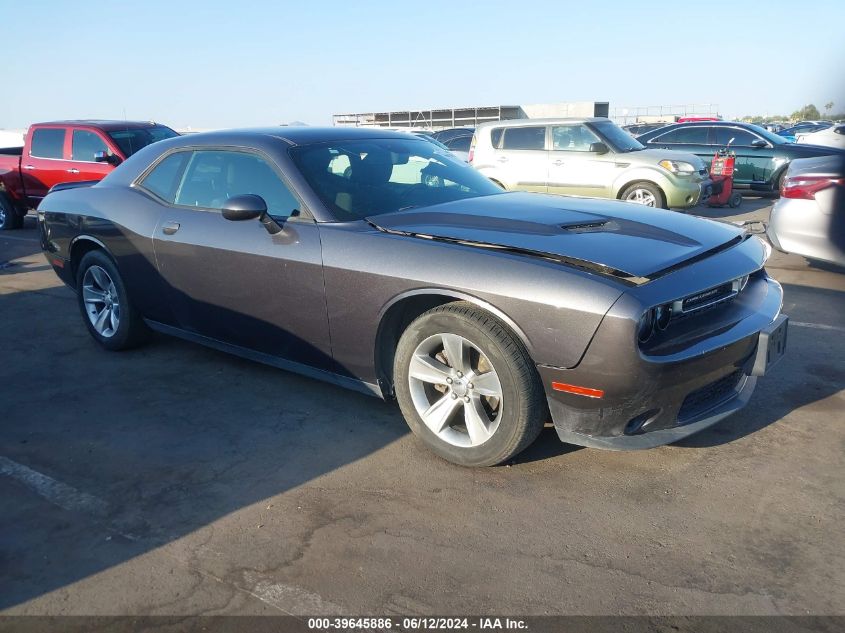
pixel 818 326
pixel 57 493
pixel 20 239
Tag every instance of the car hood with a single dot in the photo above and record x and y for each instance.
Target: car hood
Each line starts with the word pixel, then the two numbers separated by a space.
pixel 808 150
pixel 630 242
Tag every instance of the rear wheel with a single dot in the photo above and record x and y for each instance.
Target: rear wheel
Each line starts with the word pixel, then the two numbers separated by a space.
pixel 644 193
pixel 10 219
pixel 467 387
pixel 735 200
pixel 110 317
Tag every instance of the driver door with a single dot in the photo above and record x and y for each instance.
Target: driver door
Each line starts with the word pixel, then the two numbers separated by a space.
pixel 234 282
pixel 754 165
pixel 573 168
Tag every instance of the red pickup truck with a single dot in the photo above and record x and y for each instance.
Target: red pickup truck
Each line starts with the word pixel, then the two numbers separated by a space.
pixel 66 151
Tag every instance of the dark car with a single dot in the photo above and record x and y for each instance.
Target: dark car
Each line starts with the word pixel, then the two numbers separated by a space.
pixel 790 133
pixel 447 135
pixel 381 263
pixel 636 129
pixel 761 156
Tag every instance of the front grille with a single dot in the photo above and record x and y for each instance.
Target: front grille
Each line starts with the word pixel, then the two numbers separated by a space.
pixel 709 298
pixel 709 396
pixel 701 299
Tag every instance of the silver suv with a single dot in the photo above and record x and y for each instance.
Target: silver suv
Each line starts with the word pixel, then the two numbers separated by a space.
pixel 588 157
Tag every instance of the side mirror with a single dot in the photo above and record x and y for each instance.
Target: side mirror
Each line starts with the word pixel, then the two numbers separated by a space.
pixel 758 142
pixel 105 157
pixel 599 148
pixel 244 207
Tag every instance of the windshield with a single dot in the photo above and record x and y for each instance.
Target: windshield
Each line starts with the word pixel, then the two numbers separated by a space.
pixel 617 137
pixel 356 179
pixel 131 140
pixel 773 138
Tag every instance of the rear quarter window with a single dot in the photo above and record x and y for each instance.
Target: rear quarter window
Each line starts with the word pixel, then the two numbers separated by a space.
pixel 164 178
pixel 47 143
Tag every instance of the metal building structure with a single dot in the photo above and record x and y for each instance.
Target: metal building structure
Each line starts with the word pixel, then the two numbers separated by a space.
pixel 443 118
pixel 432 119
pixel 661 113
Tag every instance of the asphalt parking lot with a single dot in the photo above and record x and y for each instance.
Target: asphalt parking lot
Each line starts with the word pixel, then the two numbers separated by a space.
pixel 174 479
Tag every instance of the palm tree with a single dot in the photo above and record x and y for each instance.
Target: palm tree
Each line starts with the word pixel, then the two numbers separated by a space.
pixel 828 107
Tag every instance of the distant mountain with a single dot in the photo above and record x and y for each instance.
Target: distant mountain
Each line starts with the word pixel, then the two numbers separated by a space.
pixel 296 124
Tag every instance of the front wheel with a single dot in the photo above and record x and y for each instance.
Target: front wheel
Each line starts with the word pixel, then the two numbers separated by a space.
pixel 467 386
pixel 644 193
pixel 103 299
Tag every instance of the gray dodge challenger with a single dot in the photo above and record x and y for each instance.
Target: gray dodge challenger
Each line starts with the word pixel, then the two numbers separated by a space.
pixel 379 262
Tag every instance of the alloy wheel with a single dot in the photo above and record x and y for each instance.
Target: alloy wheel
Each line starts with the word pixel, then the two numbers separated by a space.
pixel 102 303
pixel 455 390
pixel 641 196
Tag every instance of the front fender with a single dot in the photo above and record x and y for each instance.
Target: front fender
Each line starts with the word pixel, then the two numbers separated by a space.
pixel 656 175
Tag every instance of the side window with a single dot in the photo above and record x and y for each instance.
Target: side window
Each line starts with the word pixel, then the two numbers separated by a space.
pixel 496 136
pixel 734 136
pixel 212 177
pixel 573 138
pixel 524 138
pixel 164 179
pixel 694 134
pixel 47 143
pixel 85 144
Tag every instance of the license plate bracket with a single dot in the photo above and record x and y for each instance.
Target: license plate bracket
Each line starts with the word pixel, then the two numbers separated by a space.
pixel 771 346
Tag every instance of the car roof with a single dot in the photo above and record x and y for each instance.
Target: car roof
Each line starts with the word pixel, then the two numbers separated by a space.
pixel 104 124
pixel 529 122
pixel 299 135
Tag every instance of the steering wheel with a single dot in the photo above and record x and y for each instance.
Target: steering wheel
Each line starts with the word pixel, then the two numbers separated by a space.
pixel 413 189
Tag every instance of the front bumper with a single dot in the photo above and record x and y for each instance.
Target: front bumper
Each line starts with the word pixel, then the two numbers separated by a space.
pixel 684 194
pixel 699 375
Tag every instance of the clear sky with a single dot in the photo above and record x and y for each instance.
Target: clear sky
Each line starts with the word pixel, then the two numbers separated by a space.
pixel 223 64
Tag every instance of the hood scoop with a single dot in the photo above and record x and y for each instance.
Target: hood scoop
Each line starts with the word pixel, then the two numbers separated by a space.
pixel 591 227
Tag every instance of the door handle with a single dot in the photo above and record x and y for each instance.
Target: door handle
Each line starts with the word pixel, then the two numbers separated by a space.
pixel 73 170
pixel 29 166
pixel 558 162
pixel 169 228
pixel 502 159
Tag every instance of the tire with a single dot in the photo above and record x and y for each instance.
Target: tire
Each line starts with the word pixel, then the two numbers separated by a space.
pixel 639 192
pixel 735 200
pixel 509 422
pixel 10 219
pixel 101 292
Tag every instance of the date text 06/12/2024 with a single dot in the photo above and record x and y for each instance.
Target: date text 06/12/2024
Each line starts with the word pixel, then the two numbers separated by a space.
pixel 415 624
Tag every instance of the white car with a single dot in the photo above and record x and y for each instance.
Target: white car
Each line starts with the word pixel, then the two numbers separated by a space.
pixel 809 217
pixel 831 137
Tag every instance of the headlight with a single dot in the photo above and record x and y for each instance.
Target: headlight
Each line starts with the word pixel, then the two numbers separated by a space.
pixel 678 167
pixel 646 328
pixel 654 319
